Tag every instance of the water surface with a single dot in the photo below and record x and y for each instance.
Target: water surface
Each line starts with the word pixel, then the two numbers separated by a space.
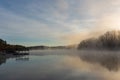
pixel 61 65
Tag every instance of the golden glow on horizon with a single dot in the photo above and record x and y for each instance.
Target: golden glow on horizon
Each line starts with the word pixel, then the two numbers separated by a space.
pixel 115 23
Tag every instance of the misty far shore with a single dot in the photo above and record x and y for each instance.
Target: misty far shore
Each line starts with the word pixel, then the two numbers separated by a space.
pixel 108 41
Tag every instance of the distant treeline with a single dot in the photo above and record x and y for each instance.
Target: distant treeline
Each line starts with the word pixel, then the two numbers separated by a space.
pixel 8 48
pixel 110 40
pixel 47 47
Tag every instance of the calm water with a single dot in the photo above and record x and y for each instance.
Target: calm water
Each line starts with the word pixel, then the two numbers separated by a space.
pixel 62 65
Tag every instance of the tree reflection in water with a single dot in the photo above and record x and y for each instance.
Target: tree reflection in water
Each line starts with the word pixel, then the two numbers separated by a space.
pixel 22 58
pixel 2 59
pixel 111 60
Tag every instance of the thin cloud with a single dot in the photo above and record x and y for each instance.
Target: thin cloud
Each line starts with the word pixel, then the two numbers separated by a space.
pixel 65 21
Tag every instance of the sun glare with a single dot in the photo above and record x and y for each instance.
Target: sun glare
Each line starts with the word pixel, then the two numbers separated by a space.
pixel 114 22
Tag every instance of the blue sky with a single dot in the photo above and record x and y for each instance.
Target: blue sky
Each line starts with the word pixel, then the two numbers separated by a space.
pixel 56 22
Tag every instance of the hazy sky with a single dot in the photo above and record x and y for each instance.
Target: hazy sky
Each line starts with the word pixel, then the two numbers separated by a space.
pixel 56 22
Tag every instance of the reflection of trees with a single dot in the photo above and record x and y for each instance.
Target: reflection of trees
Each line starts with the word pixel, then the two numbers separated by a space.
pixel 2 59
pixel 22 58
pixel 110 61
pixel 107 60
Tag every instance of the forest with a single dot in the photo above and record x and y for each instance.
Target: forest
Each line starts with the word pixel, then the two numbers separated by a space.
pixel 108 41
pixel 9 48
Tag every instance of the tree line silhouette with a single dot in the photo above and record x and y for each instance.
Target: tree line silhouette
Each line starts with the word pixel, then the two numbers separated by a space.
pixel 110 40
pixel 8 48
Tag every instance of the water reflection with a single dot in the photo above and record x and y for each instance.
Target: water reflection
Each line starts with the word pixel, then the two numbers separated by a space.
pixel 48 67
pixel 62 65
pixel 109 60
pixel 2 59
pixel 22 58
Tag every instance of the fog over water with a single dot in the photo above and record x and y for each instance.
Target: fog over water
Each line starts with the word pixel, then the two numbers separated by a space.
pixel 63 65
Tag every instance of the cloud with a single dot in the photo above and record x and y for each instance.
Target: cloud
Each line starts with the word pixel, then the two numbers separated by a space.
pixel 14 25
pixel 63 5
pixel 97 17
pixel 65 21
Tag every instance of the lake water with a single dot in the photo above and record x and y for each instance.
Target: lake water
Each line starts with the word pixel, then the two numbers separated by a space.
pixel 62 65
